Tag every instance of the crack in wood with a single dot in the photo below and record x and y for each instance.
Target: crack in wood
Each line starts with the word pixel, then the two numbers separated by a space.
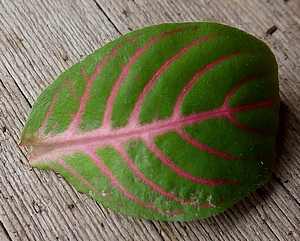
pixel 17 85
pixel 4 233
pixel 108 18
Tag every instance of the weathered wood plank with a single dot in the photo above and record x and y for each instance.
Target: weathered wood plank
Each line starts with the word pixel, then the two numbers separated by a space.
pixel 41 39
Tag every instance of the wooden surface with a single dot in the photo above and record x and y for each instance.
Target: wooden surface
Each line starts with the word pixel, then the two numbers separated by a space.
pixel 41 39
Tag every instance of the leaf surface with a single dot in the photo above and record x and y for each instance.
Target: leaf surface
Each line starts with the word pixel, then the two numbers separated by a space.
pixel 170 122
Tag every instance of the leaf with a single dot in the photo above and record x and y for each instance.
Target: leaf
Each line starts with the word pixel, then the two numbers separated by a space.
pixel 170 122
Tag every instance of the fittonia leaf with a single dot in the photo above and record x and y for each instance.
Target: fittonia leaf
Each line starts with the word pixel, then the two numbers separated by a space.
pixel 170 122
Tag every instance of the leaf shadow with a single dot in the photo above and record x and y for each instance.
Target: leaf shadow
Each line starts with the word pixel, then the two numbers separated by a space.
pixel 287 129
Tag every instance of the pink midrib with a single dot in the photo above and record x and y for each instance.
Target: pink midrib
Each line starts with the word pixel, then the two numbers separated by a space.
pixel 107 136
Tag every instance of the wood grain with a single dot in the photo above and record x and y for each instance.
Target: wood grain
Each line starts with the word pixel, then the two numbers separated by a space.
pixel 41 39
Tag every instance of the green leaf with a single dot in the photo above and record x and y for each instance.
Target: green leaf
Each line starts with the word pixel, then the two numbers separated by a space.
pixel 170 122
